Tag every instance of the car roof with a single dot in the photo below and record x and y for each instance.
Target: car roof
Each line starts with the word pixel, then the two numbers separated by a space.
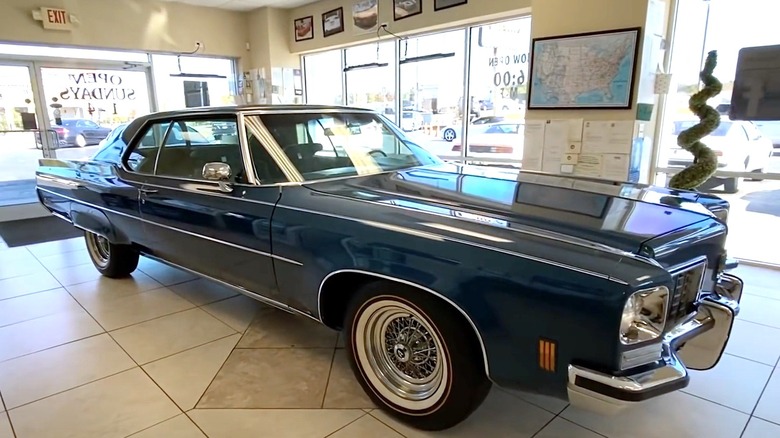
pixel 134 126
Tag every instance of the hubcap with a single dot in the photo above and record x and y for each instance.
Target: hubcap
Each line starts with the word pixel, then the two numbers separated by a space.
pixel 401 354
pixel 99 249
pixel 449 135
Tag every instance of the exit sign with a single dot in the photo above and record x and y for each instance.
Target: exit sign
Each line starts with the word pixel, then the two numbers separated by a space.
pixel 53 18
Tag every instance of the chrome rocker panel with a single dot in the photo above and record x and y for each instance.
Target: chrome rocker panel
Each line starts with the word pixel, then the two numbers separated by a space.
pixel 703 339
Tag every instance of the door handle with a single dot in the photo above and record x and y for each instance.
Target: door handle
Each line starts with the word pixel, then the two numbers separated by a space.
pixel 149 191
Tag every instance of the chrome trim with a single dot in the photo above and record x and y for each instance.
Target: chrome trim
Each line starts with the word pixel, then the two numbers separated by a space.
pixel 673 370
pixel 276 152
pixel 304 110
pixel 460 241
pixel 252 250
pixel 415 285
pixel 262 298
pixel 243 141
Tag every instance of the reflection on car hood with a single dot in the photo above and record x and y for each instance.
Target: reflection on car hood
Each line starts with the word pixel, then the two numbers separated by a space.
pixel 620 215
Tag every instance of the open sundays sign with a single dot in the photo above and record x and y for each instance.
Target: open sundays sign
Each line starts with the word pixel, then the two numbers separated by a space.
pixel 92 85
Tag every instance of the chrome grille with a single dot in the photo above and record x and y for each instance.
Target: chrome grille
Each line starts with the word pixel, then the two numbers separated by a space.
pixel 687 285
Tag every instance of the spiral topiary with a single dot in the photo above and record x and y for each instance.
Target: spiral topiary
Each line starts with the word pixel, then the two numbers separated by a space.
pixel 705 162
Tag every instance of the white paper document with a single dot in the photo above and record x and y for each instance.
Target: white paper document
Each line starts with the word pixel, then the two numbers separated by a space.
pixel 575 129
pixel 556 141
pixel 588 165
pixel 607 137
pixel 615 166
pixel 533 144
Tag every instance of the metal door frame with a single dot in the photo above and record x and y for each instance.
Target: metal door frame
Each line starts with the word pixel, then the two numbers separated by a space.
pixel 34 66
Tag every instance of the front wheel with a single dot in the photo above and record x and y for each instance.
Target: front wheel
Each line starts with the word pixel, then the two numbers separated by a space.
pixel 81 141
pixel 112 260
pixel 413 356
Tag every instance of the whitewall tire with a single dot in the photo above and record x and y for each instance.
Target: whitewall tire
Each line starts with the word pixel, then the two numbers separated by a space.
pixel 413 355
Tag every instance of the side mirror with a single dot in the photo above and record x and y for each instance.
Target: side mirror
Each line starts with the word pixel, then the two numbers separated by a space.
pixel 219 172
pixel 216 171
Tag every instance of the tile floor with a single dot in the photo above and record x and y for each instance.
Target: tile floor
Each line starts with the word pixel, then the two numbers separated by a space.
pixel 168 355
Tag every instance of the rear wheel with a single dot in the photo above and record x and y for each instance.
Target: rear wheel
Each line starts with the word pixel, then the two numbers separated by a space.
pixel 409 352
pixel 112 260
pixel 449 134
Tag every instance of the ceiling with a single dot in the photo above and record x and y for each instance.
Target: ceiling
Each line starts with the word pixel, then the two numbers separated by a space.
pixel 246 5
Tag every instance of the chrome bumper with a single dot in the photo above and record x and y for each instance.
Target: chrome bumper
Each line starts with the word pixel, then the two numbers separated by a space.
pixel 696 344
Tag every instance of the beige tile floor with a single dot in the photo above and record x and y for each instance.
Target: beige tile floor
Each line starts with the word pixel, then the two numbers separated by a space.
pixel 168 355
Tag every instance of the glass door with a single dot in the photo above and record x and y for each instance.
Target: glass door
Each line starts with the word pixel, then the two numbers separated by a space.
pixel 21 142
pixel 84 104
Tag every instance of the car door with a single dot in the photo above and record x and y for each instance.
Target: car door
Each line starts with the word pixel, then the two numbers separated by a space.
pixel 89 130
pixel 210 227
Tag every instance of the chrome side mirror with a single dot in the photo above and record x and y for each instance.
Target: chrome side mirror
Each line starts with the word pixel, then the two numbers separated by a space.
pixel 219 172
pixel 216 171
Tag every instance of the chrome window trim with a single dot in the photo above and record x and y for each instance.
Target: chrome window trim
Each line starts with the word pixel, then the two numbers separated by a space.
pixel 241 247
pixel 415 285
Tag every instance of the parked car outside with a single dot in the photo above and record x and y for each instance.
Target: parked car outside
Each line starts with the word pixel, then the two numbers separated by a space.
pixel 771 130
pixel 739 145
pixel 80 132
pixel 444 278
pixel 495 140
pixel 411 121
pixel 450 133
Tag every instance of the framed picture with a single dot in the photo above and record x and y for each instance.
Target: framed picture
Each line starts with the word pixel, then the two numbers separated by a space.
pixel 333 22
pixel 304 28
pixel 438 5
pixel 406 8
pixel 594 70
pixel 365 16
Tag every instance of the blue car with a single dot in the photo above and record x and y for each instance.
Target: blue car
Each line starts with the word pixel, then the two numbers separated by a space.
pixel 444 279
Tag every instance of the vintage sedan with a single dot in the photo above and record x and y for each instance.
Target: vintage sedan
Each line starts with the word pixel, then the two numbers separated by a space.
pixel 445 279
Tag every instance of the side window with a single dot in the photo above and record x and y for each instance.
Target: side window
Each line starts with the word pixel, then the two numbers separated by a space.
pixel 191 144
pixel 268 172
pixel 143 153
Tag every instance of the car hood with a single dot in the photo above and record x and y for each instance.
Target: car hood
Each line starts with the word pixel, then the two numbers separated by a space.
pixel 619 215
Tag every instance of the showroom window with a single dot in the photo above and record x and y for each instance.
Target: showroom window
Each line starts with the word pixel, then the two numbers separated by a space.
pixel 430 86
pixel 192 81
pixel 323 77
pixel 749 163
pixel 370 77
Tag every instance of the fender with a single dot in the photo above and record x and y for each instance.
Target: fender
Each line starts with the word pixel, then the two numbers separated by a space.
pixel 417 286
pixel 95 221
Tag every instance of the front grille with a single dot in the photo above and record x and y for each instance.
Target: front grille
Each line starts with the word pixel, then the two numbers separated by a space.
pixel 687 285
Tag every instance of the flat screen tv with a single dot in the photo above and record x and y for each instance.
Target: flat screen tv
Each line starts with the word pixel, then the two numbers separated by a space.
pixel 756 94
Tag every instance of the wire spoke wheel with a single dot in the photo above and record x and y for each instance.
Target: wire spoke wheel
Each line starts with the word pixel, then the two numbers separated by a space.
pixel 99 249
pixel 401 354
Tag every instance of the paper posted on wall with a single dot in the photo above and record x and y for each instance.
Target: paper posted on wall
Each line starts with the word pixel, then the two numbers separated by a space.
pixel 589 165
pixel 533 145
pixel 607 137
pixel 615 167
pixel 556 141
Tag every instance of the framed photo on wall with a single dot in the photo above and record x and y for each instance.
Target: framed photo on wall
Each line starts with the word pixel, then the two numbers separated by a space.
pixel 438 5
pixel 333 22
pixel 406 8
pixel 594 70
pixel 304 28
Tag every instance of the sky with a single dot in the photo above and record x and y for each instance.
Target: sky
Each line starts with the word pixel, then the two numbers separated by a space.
pixel 733 24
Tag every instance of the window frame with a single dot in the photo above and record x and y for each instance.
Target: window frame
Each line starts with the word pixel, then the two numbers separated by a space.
pixel 170 120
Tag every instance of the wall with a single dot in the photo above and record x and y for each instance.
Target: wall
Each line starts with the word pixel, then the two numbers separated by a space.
pixel 145 25
pixel 430 20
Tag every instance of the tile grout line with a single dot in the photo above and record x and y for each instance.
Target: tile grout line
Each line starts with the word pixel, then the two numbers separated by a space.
pixel 7 415
pixel 330 372
pixel 346 425
pixel 388 425
pixel 744 429
pixel 187 414
pixel 749 359
pixel 545 425
pixel 713 402
pixel 221 367
pixel 153 425
pixel 575 423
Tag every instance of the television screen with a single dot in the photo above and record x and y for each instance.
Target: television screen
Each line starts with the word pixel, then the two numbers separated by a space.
pixel 756 94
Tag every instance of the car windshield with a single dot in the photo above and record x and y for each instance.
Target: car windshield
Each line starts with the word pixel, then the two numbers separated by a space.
pixel 342 144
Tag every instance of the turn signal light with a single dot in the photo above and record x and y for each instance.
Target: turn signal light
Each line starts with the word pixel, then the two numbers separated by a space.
pixel 547 354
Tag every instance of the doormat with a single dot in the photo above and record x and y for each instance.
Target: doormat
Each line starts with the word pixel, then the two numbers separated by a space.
pixel 38 230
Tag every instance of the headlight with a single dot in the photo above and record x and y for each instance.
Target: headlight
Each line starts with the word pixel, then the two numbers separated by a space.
pixel 722 214
pixel 644 315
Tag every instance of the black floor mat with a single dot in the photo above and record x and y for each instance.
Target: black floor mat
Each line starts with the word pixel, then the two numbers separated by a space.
pixel 38 230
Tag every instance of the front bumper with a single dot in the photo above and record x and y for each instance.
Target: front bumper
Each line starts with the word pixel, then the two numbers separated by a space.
pixel 696 344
